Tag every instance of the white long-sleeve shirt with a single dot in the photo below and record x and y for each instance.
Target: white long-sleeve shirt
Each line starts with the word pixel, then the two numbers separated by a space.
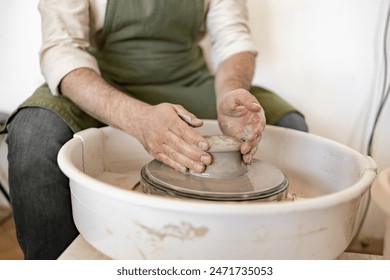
pixel 70 27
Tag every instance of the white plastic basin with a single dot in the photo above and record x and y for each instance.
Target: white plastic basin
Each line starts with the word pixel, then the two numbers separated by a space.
pixel 381 194
pixel 104 164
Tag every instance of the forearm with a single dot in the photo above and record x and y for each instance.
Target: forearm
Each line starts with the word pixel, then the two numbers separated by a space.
pixel 91 93
pixel 239 112
pixel 234 73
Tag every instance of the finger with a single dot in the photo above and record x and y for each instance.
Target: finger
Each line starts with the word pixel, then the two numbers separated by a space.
pixel 254 106
pixel 170 162
pixel 184 132
pixel 178 160
pixel 191 152
pixel 257 126
pixel 188 117
pixel 249 101
pixel 247 158
pixel 249 145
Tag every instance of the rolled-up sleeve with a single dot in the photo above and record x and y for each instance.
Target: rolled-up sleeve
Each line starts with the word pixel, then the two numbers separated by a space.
pixel 228 27
pixel 65 39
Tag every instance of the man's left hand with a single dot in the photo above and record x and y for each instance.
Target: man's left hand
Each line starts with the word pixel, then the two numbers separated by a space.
pixel 240 115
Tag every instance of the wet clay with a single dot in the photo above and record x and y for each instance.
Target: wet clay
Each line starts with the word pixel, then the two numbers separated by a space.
pixel 227 161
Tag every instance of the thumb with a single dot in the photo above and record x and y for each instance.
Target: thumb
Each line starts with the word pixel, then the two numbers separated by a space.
pixel 254 106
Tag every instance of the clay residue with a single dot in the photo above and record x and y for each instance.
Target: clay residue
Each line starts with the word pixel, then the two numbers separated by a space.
pixel 248 130
pixel 223 140
pixel 183 231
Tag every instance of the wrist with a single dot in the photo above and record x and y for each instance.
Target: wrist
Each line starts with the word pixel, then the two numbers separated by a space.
pixel 131 115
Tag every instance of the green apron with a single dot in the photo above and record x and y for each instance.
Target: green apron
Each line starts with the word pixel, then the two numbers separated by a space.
pixel 149 50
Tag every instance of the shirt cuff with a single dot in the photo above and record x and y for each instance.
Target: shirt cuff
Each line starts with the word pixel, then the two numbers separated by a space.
pixel 55 65
pixel 217 56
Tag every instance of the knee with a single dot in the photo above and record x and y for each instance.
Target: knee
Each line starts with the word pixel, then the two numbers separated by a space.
pixel 36 124
pixel 293 120
pixel 35 134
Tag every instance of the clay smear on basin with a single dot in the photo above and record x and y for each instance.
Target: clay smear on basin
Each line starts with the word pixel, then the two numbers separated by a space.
pixel 183 231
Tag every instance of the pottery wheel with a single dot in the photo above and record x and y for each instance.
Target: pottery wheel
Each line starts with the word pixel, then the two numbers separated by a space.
pixel 262 181
pixel 228 178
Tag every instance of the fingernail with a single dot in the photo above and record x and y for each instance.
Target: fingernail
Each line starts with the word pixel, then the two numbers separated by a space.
pixel 246 149
pixel 205 159
pixel 199 168
pixel 257 104
pixel 203 146
pixel 249 159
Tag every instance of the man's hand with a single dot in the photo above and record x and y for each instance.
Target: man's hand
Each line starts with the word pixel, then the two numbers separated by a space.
pixel 240 115
pixel 166 132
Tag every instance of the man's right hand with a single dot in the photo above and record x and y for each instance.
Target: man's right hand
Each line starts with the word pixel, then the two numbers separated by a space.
pixel 166 132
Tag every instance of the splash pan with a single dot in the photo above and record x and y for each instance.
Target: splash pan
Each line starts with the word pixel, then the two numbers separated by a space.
pixel 328 179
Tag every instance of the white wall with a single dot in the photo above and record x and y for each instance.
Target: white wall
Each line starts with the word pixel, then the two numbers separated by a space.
pixel 20 42
pixel 324 56
pixel 19 65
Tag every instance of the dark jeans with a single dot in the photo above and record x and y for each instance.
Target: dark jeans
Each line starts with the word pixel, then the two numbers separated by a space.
pixel 293 120
pixel 40 193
